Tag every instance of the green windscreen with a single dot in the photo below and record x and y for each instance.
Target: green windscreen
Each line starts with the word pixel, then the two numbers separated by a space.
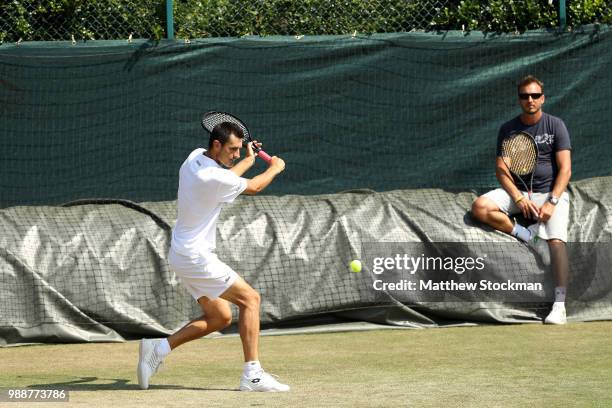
pixel 382 112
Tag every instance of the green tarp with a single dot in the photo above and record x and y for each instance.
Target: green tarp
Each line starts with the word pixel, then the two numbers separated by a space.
pixel 387 111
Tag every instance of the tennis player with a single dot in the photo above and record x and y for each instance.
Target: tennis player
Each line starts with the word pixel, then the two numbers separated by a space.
pixel 550 203
pixel 207 180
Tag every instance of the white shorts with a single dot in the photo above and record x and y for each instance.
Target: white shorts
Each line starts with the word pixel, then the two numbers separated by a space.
pixel 202 275
pixel 554 228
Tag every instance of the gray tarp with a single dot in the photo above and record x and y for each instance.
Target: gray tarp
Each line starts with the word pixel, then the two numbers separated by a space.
pixel 93 272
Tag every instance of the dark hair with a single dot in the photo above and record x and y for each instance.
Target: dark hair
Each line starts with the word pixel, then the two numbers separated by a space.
pixel 223 131
pixel 530 79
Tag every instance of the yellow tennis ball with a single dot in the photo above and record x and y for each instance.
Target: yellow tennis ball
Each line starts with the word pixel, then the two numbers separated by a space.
pixel 355 266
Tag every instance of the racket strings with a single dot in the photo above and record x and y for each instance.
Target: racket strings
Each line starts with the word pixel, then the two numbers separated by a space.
pixel 520 154
pixel 213 119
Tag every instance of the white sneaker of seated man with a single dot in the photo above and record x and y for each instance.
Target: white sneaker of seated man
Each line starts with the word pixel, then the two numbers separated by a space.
pixel 262 382
pixel 148 362
pixel 557 314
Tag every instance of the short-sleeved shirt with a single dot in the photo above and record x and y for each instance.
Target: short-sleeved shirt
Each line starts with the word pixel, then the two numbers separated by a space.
pixel 204 187
pixel 551 136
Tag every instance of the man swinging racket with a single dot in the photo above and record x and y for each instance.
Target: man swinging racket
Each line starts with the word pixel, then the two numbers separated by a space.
pixel 208 179
pixel 549 203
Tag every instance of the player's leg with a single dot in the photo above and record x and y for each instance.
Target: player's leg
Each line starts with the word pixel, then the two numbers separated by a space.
pixel 560 262
pixel 247 299
pixel 152 352
pixel 488 212
pixel 555 230
pixel 493 209
pixel 560 266
pixel 205 280
pixel 254 378
pixel 217 316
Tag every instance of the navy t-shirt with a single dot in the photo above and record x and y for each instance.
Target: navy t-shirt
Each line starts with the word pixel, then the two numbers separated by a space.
pixel 551 136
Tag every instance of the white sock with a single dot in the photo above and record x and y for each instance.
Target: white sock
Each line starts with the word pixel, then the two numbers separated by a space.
pixel 162 348
pixel 521 232
pixel 560 294
pixel 251 368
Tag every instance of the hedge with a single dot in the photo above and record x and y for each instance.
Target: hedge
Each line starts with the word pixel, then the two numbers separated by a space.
pixel 117 19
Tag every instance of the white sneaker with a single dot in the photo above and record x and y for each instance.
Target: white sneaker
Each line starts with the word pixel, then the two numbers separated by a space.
pixel 148 362
pixel 557 315
pixel 262 382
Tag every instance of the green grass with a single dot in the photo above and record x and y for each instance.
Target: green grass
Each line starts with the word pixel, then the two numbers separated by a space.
pixel 489 366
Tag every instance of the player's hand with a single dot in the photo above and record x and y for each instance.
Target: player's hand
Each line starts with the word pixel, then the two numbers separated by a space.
pixel 277 164
pixel 546 212
pixel 249 150
pixel 529 209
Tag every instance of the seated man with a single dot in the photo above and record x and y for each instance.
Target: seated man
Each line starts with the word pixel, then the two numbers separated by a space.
pixel 549 203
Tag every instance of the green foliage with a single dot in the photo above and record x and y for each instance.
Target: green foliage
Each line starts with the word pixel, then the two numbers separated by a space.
pixel 589 11
pixel 35 20
pixel 117 19
pixel 205 18
pixel 519 15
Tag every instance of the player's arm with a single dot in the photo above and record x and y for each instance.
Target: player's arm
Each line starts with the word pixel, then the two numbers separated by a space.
pixel 505 179
pixel 261 181
pixel 245 164
pixel 527 207
pixel 564 163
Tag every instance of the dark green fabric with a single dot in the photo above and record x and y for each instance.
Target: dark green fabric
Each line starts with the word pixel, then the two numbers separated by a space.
pixel 393 111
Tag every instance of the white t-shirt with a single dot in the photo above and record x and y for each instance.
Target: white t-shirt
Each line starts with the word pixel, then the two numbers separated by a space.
pixel 203 187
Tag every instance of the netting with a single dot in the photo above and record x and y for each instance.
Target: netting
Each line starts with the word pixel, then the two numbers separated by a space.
pixel 35 20
pixel 413 117
pixel 381 112
pixel 98 272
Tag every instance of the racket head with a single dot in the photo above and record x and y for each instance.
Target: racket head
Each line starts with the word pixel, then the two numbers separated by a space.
pixel 214 118
pixel 520 153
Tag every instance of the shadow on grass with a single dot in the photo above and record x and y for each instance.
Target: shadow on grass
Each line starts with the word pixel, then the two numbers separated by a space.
pixel 110 384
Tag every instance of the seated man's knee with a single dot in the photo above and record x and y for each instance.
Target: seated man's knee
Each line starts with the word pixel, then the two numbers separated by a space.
pixel 556 244
pixel 480 208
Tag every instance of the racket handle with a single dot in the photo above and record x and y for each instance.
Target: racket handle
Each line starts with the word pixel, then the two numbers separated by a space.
pixel 265 156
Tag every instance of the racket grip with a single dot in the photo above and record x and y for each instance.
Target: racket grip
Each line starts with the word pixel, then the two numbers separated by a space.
pixel 265 156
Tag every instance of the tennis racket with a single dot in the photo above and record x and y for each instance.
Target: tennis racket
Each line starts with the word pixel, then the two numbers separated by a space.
pixel 214 118
pixel 520 154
